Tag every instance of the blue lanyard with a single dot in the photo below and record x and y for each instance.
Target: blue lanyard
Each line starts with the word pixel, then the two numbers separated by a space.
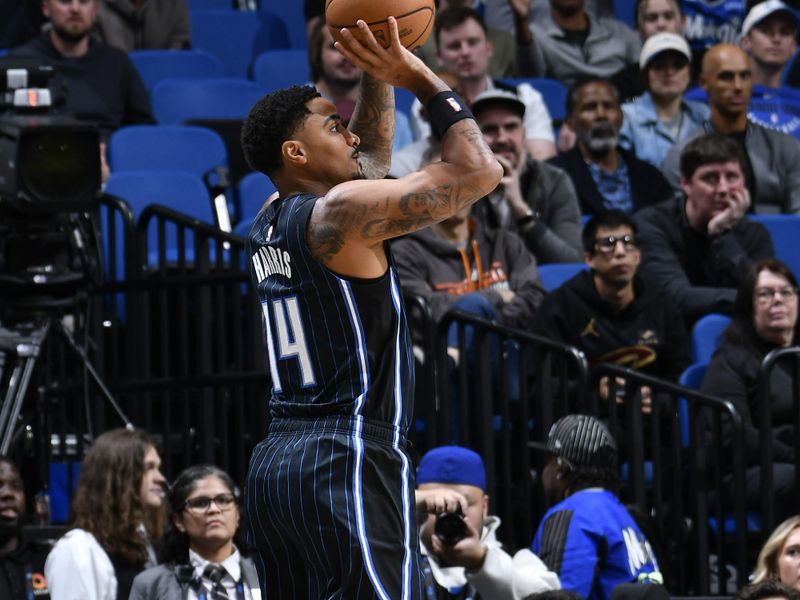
pixel 202 594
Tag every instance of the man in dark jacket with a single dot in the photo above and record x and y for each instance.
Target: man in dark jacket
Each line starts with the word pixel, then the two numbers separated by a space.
pixel 21 561
pixel 101 84
pixel 697 250
pixel 609 313
pixel 605 176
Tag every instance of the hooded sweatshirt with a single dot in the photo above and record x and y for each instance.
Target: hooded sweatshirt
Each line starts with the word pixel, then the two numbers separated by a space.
pixel 144 25
pixel 441 272
pixel 649 334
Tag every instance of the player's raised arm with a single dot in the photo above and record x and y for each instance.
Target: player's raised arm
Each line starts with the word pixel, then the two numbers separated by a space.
pixel 365 213
pixel 373 122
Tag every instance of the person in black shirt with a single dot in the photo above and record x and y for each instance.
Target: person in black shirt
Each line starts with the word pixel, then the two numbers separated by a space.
pixel 21 560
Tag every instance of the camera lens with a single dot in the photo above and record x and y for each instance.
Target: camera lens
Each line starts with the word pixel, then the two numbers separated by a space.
pixel 450 527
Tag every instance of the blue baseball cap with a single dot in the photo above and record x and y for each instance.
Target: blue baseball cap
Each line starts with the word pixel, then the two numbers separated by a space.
pixel 453 465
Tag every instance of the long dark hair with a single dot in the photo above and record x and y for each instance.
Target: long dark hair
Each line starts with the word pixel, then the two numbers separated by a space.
pixel 108 501
pixel 741 331
pixel 175 547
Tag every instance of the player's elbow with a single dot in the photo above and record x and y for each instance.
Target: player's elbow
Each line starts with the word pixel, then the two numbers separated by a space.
pixel 487 174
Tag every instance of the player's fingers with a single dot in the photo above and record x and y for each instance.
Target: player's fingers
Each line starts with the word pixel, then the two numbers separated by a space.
pixel 368 38
pixel 355 51
pixel 394 36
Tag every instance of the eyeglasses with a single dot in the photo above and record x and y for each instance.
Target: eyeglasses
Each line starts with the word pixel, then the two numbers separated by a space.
pixel 767 295
pixel 201 504
pixel 607 245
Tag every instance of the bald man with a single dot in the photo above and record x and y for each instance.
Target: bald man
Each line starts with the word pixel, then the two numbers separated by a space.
pixel 772 172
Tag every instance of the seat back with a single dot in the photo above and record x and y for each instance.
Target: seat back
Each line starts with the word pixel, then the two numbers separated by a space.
pixel 166 147
pixel 692 377
pixel 178 100
pixel 706 336
pixel 785 232
pixel 179 190
pixel 157 65
pixel 554 95
pixel 254 189
pixel 280 68
pixel 553 275
pixel 237 37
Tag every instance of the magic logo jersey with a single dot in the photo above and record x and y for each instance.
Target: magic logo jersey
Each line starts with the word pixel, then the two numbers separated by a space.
pixel 337 346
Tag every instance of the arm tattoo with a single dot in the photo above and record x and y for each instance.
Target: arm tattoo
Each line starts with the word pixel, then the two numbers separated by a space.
pixel 324 240
pixel 373 121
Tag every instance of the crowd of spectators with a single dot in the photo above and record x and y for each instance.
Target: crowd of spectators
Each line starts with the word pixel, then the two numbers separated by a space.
pixel 675 133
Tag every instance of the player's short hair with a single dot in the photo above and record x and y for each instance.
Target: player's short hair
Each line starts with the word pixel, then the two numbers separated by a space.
pixel 272 121
pixel 453 16
pixel 609 219
pixel 709 149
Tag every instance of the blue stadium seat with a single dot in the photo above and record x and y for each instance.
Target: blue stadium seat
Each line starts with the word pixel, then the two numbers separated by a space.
pixel 554 94
pixel 293 17
pixel 254 189
pixel 403 100
pixel 625 11
pixel 707 335
pixel 175 101
pixel 692 378
pixel 785 232
pixel 553 275
pixel 237 37
pixel 178 190
pixel 210 4
pixel 166 147
pixel 157 65
pixel 280 68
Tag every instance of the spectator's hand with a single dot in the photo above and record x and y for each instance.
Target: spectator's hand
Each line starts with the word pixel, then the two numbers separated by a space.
pixel 439 500
pixel 738 201
pixel 395 65
pixel 468 552
pixel 647 400
pixel 566 138
pixel 520 8
pixel 105 171
pixel 647 396
pixel 511 188
pixel 506 294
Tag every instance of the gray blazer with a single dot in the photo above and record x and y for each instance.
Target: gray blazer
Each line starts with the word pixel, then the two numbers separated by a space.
pixel 161 582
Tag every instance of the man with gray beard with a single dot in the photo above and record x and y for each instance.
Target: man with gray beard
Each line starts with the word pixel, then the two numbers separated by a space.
pixel 605 176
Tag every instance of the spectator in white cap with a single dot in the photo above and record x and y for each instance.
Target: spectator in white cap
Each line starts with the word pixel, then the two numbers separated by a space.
pixel 463 558
pixel 661 116
pixel 769 37
pixel 587 536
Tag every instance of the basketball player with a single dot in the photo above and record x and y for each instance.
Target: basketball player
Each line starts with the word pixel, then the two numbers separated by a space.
pixel 330 491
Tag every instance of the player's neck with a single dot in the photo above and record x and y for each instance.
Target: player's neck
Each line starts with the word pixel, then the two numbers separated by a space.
pixel 69 48
pixel 618 297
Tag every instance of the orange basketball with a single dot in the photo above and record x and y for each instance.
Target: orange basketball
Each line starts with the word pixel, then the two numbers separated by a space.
pixel 414 19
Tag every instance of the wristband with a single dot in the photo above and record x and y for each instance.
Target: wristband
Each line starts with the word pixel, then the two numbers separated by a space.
pixel 444 110
pixel 526 220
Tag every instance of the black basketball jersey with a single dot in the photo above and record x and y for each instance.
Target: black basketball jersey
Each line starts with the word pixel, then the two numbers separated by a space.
pixel 337 345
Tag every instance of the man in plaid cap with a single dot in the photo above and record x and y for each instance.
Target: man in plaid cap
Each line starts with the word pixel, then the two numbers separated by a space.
pixel 587 536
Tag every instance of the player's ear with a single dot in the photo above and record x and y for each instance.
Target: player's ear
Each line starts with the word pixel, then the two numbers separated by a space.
pixel 293 152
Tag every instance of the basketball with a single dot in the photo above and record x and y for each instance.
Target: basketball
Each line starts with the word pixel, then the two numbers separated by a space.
pixel 414 19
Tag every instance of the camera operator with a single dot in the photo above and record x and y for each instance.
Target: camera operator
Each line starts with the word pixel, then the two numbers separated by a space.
pixel 102 86
pixel 462 557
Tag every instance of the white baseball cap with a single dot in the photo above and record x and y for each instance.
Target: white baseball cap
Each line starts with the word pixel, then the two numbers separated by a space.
pixel 661 42
pixel 761 11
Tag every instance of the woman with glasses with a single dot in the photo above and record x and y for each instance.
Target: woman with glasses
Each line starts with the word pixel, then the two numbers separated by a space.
pixel 201 554
pixel 117 516
pixel 661 116
pixel 764 318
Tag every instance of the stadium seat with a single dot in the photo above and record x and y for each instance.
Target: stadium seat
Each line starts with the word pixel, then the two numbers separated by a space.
pixel 785 232
pixel 403 100
pixel 157 65
pixel 692 378
pixel 554 94
pixel 625 11
pixel 237 37
pixel 553 275
pixel 166 147
pixel 253 189
pixel 175 101
pixel 178 190
pixel 276 69
pixel 706 336
pixel 293 17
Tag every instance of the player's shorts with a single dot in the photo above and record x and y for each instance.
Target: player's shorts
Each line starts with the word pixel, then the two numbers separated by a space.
pixel 330 504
